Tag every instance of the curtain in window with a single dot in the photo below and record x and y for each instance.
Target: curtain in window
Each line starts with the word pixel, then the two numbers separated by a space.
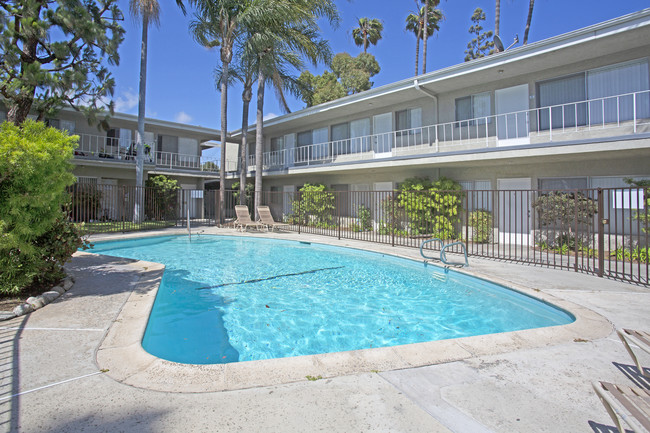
pixel 615 80
pixel 560 94
pixel 359 134
pixel 319 138
pixel 464 108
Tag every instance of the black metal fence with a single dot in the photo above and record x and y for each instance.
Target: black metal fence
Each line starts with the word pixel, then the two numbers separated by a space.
pixel 599 231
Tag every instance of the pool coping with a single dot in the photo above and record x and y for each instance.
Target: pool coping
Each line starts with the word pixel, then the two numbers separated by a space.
pixel 121 355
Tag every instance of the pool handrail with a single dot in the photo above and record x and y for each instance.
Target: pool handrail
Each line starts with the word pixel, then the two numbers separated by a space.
pixel 443 248
pixel 442 244
pixel 443 254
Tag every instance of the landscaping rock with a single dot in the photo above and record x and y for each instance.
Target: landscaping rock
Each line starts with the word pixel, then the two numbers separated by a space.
pixel 36 302
pixel 50 296
pixel 67 283
pixel 58 289
pixel 23 309
pixel 6 315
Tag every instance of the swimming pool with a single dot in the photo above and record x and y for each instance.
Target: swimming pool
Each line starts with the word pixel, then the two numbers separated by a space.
pixel 227 299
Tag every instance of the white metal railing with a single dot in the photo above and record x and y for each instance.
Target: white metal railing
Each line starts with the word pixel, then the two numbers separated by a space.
pixel 621 114
pixel 110 148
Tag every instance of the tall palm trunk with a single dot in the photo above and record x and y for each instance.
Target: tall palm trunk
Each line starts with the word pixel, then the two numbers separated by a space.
pixel 425 36
pixel 243 151
pixel 224 132
pixel 259 140
pixel 531 4
pixel 417 53
pixel 139 158
pixel 497 16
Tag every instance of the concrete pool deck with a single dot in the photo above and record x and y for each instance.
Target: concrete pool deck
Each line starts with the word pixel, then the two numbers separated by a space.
pixel 528 381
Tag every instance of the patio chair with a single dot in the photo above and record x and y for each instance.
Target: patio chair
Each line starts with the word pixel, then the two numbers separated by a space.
pixel 624 403
pixel 244 221
pixel 267 219
pixel 639 338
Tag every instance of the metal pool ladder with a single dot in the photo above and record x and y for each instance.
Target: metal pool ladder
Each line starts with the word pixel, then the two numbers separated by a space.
pixel 443 250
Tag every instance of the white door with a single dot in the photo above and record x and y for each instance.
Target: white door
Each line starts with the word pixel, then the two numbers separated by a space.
pixel 288 192
pixel 360 135
pixel 188 152
pixel 514 198
pixel 382 129
pixel 190 200
pixel 289 147
pixel 109 197
pixel 512 115
pixel 319 138
pixel 125 142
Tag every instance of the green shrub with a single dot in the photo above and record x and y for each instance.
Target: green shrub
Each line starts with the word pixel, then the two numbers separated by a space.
pixel 314 207
pixel 481 223
pixel 162 198
pixel 432 208
pixel 364 220
pixel 34 173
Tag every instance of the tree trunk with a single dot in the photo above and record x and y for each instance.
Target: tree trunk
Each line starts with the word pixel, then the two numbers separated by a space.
pixel 19 109
pixel 224 133
pixel 139 158
pixel 243 151
pixel 531 4
pixel 425 36
pixel 417 53
pixel 497 16
pixel 259 140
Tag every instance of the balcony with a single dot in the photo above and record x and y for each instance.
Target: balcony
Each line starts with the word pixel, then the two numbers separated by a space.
pixel 619 115
pixel 97 147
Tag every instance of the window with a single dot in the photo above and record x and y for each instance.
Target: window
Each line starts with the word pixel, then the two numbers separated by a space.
pixel 481 195
pixel 277 143
pixel 562 183
pixel 566 95
pixel 86 180
pixel 408 119
pixel 305 139
pixel 473 106
pixel 276 195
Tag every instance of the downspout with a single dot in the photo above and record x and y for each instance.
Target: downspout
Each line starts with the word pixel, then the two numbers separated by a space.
pixel 433 96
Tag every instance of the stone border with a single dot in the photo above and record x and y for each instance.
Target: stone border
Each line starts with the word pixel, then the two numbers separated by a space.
pixel 33 303
pixel 122 355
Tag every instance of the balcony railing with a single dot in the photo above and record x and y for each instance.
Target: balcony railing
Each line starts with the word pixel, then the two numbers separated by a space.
pixel 602 117
pixel 121 150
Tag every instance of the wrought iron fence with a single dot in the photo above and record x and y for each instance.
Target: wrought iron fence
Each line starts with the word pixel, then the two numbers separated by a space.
pixel 101 208
pixel 600 231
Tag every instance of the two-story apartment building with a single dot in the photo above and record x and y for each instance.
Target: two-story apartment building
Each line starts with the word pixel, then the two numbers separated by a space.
pixel 107 158
pixel 572 111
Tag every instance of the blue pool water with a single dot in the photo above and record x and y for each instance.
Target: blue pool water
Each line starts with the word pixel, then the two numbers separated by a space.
pixel 228 299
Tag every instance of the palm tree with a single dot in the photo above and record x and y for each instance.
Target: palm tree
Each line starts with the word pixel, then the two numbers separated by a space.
pixel 431 6
pixel 415 24
pixel 149 10
pixel 368 32
pixel 217 24
pixel 280 50
pixel 531 4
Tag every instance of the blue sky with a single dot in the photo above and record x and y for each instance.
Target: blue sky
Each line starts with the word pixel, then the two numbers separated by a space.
pixel 180 80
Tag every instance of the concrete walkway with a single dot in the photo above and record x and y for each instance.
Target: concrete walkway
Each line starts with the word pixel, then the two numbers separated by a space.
pixel 51 380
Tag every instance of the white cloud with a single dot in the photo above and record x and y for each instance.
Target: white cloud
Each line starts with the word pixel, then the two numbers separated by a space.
pixel 126 101
pixel 183 117
pixel 270 116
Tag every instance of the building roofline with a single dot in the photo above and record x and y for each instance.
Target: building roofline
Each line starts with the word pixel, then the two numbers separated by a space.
pixel 554 43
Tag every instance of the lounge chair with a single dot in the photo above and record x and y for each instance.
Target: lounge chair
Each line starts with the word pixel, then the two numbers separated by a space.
pixel 244 221
pixel 639 338
pixel 624 403
pixel 267 219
